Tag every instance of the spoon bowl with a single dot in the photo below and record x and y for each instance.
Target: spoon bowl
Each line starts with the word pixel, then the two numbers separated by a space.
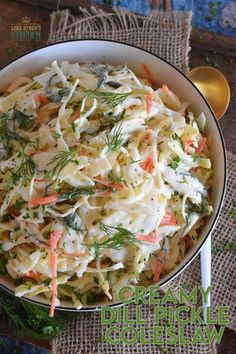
pixel 214 87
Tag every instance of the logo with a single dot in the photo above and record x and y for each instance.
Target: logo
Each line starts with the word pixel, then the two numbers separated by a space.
pixel 26 30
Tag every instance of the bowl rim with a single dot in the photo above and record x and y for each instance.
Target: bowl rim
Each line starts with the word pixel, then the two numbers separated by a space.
pixel 213 224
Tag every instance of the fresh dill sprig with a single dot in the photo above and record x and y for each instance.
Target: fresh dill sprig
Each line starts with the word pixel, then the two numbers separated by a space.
pixel 28 320
pixel 72 221
pixel 60 161
pixel 180 140
pixel 101 72
pixel 25 172
pixel 24 120
pixel 7 135
pixel 74 193
pixel 115 140
pixel 115 179
pixel 110 98
pixel 118 237
pixel 175 163
pixel 202 208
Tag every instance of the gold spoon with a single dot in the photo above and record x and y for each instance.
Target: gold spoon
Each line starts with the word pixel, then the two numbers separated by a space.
pixel 214 87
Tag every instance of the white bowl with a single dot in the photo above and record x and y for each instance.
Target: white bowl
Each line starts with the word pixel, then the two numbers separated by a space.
pixel 103 51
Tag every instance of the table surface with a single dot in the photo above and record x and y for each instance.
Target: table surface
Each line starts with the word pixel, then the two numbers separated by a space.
pixel 207 49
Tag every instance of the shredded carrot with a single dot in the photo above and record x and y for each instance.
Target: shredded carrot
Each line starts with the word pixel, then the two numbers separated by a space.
pixel 33 275
pixel 201 146
pixel 40 180
pixel 116 186
pixel 157 265
pixel 168 219
pixel 149 102
pixel 188 143
pixel 166 88
pixel 148 165
pixel 40 99
pixel 44 200
pixel 148 74
pixel 54 238
pixel 152 237
pixel 146 136
pixel 82 152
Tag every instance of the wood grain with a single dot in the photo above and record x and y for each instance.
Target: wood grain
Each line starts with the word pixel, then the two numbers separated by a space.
pixel 207 49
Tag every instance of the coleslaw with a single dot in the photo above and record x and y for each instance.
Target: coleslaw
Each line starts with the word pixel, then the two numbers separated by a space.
pixel 104 182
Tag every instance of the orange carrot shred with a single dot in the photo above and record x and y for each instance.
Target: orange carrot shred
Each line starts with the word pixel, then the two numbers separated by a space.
pixel 168 219
pixel 54 239
pixel 148 165
pixel 44 200
pixel 116 186
pixel 152 237
pixel 149 102
pixel 148 74
pixel 166 88
pixel 33 275
pixel 201 146
pixel 40 180
pixel 188 143
pixel 40 100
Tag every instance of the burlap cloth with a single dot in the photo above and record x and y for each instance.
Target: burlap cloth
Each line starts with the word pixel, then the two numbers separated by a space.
pixel 165 34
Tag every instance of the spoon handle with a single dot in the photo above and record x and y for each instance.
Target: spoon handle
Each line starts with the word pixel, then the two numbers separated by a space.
pixel 205 257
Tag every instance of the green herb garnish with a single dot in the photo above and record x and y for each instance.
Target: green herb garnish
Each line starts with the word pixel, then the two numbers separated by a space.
pixel 115 140
pixel 29 320
pixel 6 218
pixel 72 221
pixel 176 137
pixel 101 72
pixel 24 120
pixel 118 237
pixel 115 179
pixel 109 98
pixel 3 263
pixel 73 125
pixel 18 204
pixel 25 172
pixel 202 208
pixel 175 163
pixel 60 161
pixel 75 193
pixel 7 135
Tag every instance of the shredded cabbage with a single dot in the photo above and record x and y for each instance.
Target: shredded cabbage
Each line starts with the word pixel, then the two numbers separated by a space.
pixel 117 169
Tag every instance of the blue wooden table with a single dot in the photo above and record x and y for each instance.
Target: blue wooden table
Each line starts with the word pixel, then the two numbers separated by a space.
pixel 216 16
